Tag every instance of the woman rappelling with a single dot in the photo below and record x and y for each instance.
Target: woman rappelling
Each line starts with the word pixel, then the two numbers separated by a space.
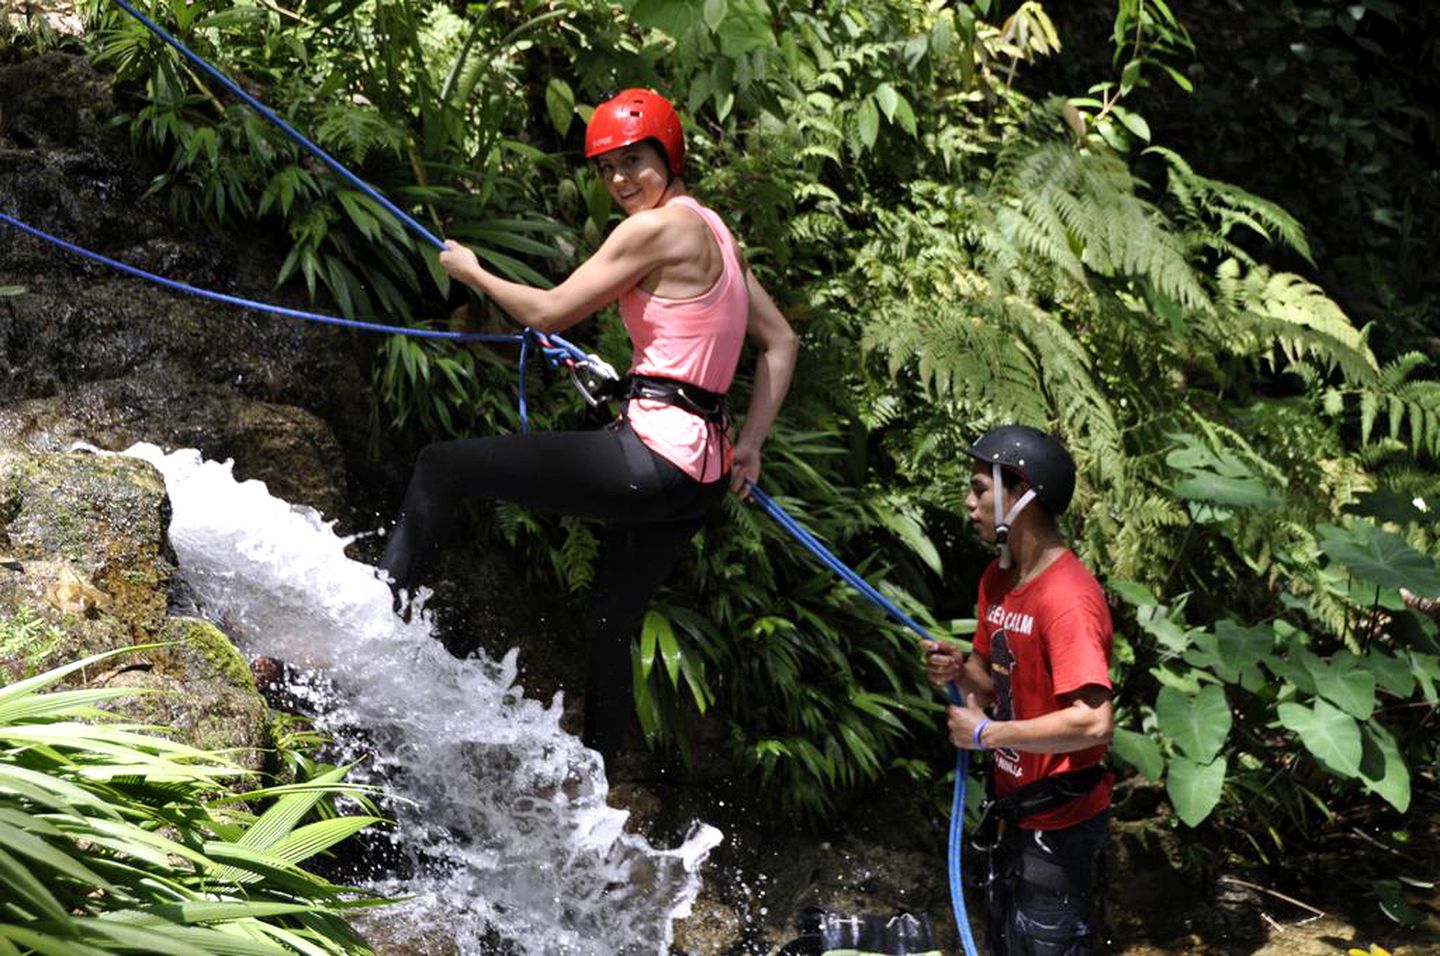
pixel 688 300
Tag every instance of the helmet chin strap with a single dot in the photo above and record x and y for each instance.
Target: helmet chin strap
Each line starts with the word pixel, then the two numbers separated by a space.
pixel 1003 520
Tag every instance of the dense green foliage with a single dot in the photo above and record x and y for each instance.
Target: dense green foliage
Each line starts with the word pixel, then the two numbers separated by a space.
pixel 1343 94
pixel 1256 482
pixel 115 839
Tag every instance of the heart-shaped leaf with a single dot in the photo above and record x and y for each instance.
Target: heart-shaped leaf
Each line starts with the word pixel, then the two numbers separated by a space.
pixel 1194 788
pixel 1379 556
pixel 1329 733
pixel 1197 725
pixel 1140 751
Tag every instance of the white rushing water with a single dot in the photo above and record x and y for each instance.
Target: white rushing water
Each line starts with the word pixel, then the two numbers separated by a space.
pixel 504 834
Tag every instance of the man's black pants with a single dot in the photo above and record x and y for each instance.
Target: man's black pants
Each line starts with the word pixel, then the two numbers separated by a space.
pixel 1041 890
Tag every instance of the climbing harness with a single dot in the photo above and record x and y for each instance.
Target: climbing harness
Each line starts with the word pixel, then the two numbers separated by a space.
pixel 962 763
pixel 710 407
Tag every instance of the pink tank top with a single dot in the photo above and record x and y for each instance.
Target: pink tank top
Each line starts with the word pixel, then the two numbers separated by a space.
pixel 696 340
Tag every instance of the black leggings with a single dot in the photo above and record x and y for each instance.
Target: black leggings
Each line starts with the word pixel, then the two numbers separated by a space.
pixel 652 509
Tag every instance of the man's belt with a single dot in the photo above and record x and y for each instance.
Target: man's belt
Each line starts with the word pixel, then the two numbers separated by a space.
pixel 1045 794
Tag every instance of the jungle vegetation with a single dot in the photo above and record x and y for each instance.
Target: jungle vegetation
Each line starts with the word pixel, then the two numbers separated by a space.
pixel 971 220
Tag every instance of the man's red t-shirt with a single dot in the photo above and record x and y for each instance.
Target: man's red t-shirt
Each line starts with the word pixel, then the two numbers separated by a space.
pixel 1048 637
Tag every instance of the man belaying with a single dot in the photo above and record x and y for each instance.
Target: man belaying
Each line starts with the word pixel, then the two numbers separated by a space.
pixel 688 299
pixel 1041 666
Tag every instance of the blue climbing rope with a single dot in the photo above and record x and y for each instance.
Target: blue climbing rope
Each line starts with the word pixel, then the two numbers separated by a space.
pixel 555 349
pixel 962 763
pixel 257 306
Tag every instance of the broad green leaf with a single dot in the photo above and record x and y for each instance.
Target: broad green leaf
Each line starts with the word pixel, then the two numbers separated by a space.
pixel 1157 621
pixel 1329 733
pixel 243 864
pixel 1222 478
pixel 1242 648
pixel 1376 555
pixel 305 842
pixel 912 532
pixel 285 813
pixel 670 652
pixel 1140 751
pixel 1135 123
pixel 1426 668
pixel 1347 683
pixel 1187 683
pixel 1228 491
pixel 76 703
pixel 1382 767
pixel 746 27
pixel 46 944
pixel 674 19
pixel 560 104
pixel 204 911
pixel 1198 725
pixel 1298 667
pixel 714 12
pixel 40 681
pixel 1133 593
pixel 647 708
pixel 164 941
pixel 654 623
pixel 1194 788
pixel 1392 673
pixel 867 122
pixel 888 99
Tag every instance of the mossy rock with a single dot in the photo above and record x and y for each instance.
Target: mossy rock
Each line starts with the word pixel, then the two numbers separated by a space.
pixel 205 692
pixel 89 535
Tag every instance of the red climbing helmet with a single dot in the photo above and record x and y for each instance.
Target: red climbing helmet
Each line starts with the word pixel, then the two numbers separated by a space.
pixel 633 116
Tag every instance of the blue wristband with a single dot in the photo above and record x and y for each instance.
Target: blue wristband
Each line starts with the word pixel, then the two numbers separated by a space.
pixel 979 729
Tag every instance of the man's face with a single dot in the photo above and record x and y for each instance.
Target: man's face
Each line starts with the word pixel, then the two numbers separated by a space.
pixel 980 502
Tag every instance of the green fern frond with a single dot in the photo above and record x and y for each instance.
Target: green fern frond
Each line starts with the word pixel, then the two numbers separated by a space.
pixel 1078 210
pixel 1285 311
pixel 574 560
pixel 356 131
pixel 1231 205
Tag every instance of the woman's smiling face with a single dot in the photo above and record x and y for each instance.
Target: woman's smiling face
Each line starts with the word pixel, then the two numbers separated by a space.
pixel 636 176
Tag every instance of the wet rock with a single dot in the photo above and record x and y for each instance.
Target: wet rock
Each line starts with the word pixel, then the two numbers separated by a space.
pixel 133 360
pixel 711 927
pixel 208 699
pixel 289 449
pixel 52 100
pixel 90 533
pixel 88 569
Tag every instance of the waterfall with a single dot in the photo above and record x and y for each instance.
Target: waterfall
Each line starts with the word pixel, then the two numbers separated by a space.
pixel 503 825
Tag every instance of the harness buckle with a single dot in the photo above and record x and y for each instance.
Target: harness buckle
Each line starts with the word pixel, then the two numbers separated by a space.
pixel 591 379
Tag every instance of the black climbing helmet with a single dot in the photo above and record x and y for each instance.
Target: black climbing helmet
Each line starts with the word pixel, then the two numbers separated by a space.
pixel 1038 457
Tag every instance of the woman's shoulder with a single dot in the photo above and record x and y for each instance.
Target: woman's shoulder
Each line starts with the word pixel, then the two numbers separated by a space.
pixel 669 220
